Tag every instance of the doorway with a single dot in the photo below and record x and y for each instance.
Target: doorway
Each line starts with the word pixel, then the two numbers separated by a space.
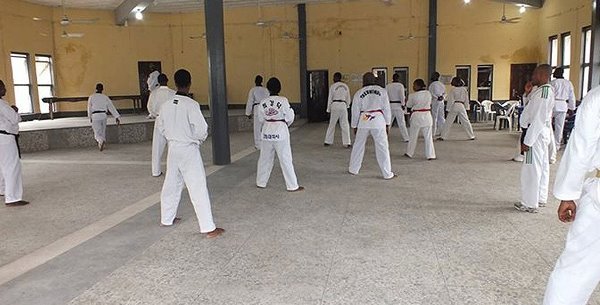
pixel 318 90
pixel 464 72
pixel 485 82
pixel 144 70
pixel 520 74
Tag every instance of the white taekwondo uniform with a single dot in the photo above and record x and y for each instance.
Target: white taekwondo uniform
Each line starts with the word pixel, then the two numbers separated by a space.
pixel 535 172
pixel 11 180
pixel 420 121
pixel 565 100
pixel 338 102
pixel 396 93
pixel 438 92
pixel 371 114
pixel 458 104
pixel 98 107
pixel 577 271
pixel 183 124
pixel 275 115
pixel 157 99
pixel 255 96
pixel 152 81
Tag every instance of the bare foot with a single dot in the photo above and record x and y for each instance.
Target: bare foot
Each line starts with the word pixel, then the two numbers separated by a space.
pixel 215 233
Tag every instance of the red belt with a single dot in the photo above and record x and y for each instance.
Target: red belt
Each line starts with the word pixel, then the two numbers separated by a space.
pixel 421 110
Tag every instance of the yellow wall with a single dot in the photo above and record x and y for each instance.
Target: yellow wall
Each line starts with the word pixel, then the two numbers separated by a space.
pixel 558 17
pixel 350 36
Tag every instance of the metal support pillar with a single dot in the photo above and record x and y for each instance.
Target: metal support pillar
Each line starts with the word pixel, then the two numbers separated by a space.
pixel 303 59
pixel 432 52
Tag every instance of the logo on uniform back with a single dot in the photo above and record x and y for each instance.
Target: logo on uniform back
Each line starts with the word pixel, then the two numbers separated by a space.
pixel 370 91
pixel 271 112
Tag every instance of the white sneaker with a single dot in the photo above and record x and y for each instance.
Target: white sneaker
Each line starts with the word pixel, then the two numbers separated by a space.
pixel 518 158
pixel 520 207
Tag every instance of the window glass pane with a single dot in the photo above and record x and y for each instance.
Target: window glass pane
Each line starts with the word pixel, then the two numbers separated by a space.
pixel 566 51
pixel 44 73
pixel 554 52
pixel 23 99
pixel 44 91
pixel 588 46
pixel 20 69
pixel 586 81
pixel 567 73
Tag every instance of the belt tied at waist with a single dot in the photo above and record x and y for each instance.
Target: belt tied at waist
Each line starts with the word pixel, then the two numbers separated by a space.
pixel 395 102
pixel 100 111
pixel 4 132
pixel 422 110
pixel 273 121
pixel 338 101
pixel 372 111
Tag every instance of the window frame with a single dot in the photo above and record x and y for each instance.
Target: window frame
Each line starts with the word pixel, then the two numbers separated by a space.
pixel 491 87
pixel 51 85
pixel 562 57
pixel 551 51
pixel 407 69
pixel 29 85
pixel 586 63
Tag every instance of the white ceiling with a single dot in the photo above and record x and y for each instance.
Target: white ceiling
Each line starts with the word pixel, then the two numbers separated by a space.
pixel 164 6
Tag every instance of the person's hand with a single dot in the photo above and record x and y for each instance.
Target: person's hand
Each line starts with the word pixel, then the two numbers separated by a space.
pixel 524 148
pixel 528 87
pixel 566 211
pixel 15 108
pixel 118 121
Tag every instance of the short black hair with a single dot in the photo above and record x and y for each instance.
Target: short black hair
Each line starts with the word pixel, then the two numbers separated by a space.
pixel 99 87
pixel 456 82
pixel 546 68
pixel 435 76
pixel 369 79
pixel 258 80
pixel 420 83
pixel 396 77
pixel 162 79
pixel 183 78
pixel 559 72
pixel 274 85
pixel 337 76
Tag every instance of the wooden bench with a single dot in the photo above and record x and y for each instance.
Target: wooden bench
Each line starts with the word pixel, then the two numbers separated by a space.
pixel 136 99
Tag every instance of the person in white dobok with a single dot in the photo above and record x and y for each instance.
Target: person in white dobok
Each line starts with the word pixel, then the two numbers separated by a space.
pixel 577 271
pixel 421 120
pixel 184 127
pixel 157 99
pixel 275 115
pixel 256 95
pixel 537 118
pixel 371 116
pixel 11 176
pixel 458 104
pixel 338 102
pixel 152 80
pixel 396 92
pixel 99 105
pixel 438 93
pixel 565 102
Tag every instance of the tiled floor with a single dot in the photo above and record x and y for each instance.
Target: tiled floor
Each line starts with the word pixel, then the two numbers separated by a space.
pixel 443 232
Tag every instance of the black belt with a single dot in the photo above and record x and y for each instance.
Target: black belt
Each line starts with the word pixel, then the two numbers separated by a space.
pixel 99 111
pixel 255 104
pixel 395 102
pixel 338 101
pixel 16 140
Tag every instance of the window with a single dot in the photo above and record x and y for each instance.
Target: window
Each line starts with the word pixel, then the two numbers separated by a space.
pixel 586 60
pixel 566 54
pixel 22 82
pixel 485 80
pixel 404 77
pixel 464 73
pixel 45 80
pixel 381 74
pixel 553 51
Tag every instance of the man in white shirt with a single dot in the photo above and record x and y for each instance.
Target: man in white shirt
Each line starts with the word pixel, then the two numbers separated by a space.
pixel 185 128
pixel 338 102
pixel 537 118
pixel 397 94
pixel 371 116
pixel 99 105
pixel 11 179
pixel 256 95
pixel 577 271
pixel 438 92
pixel 157 98
pixel 565 102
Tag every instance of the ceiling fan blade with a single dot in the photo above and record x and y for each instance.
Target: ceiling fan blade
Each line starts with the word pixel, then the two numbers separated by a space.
pixel 84 21
pixel 514 19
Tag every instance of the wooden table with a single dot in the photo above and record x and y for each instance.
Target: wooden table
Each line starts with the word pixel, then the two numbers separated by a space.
pixel 136 99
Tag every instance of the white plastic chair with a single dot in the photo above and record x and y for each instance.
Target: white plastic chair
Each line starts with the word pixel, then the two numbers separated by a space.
pixel 508 117
pixel 487 110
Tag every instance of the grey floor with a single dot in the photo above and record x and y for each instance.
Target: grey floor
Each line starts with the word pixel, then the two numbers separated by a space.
pixel 443 232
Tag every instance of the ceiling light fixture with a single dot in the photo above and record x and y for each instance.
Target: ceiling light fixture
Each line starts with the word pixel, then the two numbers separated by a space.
pixel 139 15
pixel 467 1
pixel 523 9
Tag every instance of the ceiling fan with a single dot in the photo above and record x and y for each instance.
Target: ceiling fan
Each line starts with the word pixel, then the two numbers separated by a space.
pixel 504 19
pixel 66 34
pixel 65 20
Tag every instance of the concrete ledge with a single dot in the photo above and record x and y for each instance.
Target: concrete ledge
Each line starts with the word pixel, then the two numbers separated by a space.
pixel 33 140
